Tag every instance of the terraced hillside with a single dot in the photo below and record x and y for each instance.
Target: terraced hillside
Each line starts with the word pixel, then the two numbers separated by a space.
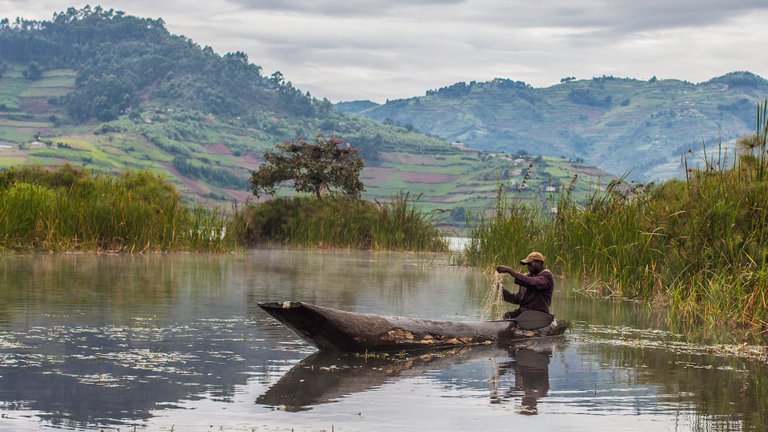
pixel 621 125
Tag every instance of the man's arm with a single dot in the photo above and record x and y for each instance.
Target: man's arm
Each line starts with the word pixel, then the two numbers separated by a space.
pixel 541 281
pixel 511 297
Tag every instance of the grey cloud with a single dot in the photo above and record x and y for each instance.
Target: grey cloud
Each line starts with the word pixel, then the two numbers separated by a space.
pixel 400 48
pixel 628 15
pixel 367 8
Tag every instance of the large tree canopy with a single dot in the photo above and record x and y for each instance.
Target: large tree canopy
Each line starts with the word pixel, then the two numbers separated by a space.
pixel 311 167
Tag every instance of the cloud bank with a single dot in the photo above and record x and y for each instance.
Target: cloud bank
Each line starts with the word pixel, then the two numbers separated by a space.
pixel 388 49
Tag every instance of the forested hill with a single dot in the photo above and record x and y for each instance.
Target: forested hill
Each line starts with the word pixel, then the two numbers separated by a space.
pixel 108 91
pixel 619 124
pixel 121 60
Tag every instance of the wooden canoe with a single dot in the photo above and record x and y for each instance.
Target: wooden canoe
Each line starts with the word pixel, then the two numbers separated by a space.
pixel 341 331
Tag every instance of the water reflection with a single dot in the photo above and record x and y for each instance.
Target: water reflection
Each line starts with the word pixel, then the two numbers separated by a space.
pixel 327 377
pixel 89 342
pixel 530 368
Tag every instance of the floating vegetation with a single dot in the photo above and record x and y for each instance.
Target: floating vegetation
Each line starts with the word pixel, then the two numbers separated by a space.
pixel 665 340
pixel 172 362
pixel 8 341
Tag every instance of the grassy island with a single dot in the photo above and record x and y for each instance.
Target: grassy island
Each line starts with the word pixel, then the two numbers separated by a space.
pixel 341 222
pixel 72 209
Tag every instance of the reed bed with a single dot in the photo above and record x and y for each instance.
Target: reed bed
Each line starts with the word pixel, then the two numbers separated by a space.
pixel 698 246
pixel 339 222
pixel 71 209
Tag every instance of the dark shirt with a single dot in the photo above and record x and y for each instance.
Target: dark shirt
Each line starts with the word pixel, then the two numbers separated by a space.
pixel 535 292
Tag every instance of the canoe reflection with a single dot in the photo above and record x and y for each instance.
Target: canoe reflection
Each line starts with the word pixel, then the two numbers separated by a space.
pixel 328 377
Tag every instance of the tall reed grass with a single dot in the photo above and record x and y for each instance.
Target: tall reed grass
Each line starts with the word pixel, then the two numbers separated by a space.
pixel 71 209
pixel 698 245
pixel 339 222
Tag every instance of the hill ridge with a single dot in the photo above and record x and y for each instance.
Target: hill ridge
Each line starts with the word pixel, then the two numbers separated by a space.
pixel 619 124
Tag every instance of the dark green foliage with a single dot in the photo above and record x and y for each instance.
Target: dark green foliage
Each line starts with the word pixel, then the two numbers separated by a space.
pixel 742 108
pixel 590 98
pixel 459 214
pixel 462 89
pixel 368 146
pixel 217 176
pixel 311 167
pixel 33 72
pixel 339 222
pixel 455 90
pixel 104 97
pixel 741 79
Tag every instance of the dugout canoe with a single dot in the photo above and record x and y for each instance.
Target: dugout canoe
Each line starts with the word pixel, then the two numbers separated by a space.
pixel 335 330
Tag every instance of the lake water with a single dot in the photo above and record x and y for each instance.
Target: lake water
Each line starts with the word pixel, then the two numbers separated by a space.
pixel 177 342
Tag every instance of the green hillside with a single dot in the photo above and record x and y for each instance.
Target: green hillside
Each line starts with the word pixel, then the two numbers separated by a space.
pixel 107 91
pixel 618 124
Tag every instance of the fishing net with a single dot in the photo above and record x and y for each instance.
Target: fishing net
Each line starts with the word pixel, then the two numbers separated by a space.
pixel 493 302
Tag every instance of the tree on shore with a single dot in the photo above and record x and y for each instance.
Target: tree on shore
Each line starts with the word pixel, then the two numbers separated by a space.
pixel 327 163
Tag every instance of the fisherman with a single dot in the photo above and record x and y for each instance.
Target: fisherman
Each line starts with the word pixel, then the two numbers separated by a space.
pixel 536 286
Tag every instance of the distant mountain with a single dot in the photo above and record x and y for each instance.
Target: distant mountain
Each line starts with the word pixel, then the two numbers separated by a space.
pixel 108 91
pixel 618 124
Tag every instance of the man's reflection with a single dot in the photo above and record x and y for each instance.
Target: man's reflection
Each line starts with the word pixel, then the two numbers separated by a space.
pixel 531 373
pixel 326 377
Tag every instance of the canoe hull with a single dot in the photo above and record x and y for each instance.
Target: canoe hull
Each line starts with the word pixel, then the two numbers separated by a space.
pixel 341 331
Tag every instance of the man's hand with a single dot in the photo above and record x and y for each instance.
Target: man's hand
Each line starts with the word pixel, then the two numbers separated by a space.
pixel 503 269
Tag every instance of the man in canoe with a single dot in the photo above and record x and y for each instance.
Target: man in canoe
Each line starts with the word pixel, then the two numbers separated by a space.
pixel 536 286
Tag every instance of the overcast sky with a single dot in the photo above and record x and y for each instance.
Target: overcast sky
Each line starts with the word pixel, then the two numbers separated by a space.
pixel 391 49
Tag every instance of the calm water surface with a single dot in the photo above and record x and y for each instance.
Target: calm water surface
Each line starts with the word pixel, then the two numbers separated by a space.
pixel 179 343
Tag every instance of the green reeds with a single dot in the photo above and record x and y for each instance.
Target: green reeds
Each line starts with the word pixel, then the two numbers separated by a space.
pixel 698 246
pixel 339 222
pixel 399 225
pixel 508 235
pixel 71 209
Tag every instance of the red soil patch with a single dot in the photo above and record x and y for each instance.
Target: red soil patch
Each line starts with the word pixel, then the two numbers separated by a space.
pixel 407 158
pixel 242 196
pixel 219 149
pixel 377 175
pixel 233 170
pixel 418 177
pixel 591 171
pixel 187 181
pixel 34 131
pixel 248 161
pixel 34 105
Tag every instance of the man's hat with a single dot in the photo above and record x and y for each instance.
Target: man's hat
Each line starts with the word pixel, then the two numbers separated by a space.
pixel 533 256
